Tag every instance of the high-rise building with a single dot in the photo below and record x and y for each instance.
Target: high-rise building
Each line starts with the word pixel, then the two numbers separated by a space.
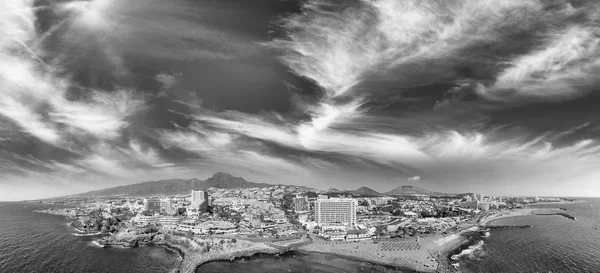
pixel 300 203
pixel 152 204
pixel 201 200
pixel 336 212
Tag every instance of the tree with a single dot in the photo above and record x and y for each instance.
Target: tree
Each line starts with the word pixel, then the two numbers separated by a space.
pixel 311 194
pixel 286 201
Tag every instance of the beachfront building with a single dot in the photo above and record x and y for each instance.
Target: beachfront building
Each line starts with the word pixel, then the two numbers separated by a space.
pixel 355 234
pixel 336 212
pixel 475 205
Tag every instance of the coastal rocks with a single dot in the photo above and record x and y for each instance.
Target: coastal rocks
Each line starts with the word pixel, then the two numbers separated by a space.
pixel 131 239
pixel 195 252
pixel 566 215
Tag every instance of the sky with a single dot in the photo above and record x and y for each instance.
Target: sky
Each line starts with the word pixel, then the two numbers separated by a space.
pixel 492 96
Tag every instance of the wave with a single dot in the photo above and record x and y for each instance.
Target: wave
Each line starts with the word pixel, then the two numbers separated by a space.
pixel 94 242
pixel 472 252
pixel 86 234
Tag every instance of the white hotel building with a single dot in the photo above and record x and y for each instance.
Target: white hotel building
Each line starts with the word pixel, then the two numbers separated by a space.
pixel 336 212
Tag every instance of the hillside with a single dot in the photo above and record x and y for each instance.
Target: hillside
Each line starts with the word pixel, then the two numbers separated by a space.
pixel 362 192
pixel 367 191
pixel 177 186
pixel 411 190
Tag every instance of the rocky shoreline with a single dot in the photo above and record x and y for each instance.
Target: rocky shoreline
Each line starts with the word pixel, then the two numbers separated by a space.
pixel 191 262
pixel 193 252
pixel 139 240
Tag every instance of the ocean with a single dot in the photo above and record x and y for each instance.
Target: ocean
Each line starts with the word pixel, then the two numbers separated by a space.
pixel 553 243
pixel 33 242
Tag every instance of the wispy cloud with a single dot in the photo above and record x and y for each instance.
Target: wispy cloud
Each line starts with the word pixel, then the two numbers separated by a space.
pixel 362 56
pixel 564 68
pixel 151 28
pixel 103 115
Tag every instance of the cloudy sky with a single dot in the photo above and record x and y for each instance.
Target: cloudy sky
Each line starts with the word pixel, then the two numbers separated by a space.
pixel 491 96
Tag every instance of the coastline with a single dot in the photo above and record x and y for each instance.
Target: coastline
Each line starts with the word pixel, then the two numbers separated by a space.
pixel 428 254
pixel 434 252
pixel 79 232
pixel 514 213
pixel 526 211
pixel 410 254
pixel 191 261
pixel 356 258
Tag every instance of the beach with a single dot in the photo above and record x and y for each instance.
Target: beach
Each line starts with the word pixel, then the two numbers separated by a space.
pixel 421 254
pixel 507 214
pixel 410 254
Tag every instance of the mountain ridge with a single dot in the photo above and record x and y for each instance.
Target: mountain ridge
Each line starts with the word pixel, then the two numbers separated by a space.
pixel 407 190
pixel 223 180
pixel 177 186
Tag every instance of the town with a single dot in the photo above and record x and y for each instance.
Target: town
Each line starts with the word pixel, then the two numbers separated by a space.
pixel 279 212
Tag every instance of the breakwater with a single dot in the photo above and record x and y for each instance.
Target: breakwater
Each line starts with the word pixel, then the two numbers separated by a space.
pixel 507 226
pixel 566 215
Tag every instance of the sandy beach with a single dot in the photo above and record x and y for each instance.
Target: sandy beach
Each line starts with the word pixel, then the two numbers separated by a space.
pixel 507 214
pixel 402 253
pixel 421 255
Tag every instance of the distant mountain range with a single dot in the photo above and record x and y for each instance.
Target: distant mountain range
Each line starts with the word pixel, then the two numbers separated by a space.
pixel 178 186
pixel 227 181
pixel 412 191
pixel 399 191
pixel 362 191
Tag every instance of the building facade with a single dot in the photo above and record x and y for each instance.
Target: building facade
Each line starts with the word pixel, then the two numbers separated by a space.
pixel 300 203
pixel 201 200
pixel 152 205
pixel 168 207
pixel 336 212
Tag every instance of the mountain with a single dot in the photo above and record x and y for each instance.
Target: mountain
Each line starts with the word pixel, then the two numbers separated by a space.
pixel 411 190
pixel 362 191
pixel 367 191
pixel 177 186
